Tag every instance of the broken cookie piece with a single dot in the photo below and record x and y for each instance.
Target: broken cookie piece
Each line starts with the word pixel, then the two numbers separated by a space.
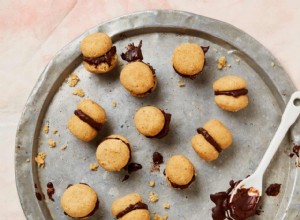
pixel 40 159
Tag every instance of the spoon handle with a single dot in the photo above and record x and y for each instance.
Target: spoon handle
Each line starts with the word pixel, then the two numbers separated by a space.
pixel 288 118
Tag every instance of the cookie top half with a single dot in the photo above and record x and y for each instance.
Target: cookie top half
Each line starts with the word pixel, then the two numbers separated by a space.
pixel 180 171
pixel 138 78
pixel 93 110
pixel 79 200
pixel 229 83
pixel 95 45
pixel 149 120
pixel 113 153
pixel 188 59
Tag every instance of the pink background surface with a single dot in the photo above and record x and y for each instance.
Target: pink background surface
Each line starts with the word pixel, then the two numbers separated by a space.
pixel 33 31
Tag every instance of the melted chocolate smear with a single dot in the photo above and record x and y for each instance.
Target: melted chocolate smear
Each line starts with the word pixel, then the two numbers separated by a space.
pixel 38 196
pixel 157 158
pixel 234 93
pixel 87 119
pixel 35 186
pixel 176 186
pixel 209 138
pixel 205 49
pixel 130 208
pixel 291 155
pixel 133 53
pixel 166 127
pixel 106 58
pixel 50 191
pixel 242 206
pixel 126 177
pixel 296 150
pixel 273 189
pixel 133 167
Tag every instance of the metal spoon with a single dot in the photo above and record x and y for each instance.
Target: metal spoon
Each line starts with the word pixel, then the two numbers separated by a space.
pixel 254 182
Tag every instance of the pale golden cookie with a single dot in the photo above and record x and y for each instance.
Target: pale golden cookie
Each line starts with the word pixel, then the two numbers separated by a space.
pixel 130 207
pixel 231 93
pixel 211 140
pixel 138 78
pixel 149 120
pixel 87 120
pixel 188 59
pixel 79 201
pixel 99 55
pixel 180 172
pixel 114 153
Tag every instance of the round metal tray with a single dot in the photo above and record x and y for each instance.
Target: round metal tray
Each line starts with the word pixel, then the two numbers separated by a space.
pixel 51 101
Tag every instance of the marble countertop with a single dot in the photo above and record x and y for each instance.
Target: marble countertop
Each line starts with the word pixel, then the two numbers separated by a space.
pixel 33 31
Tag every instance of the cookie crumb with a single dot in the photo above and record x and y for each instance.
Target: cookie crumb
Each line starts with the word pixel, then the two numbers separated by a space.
pixel 46 129
pixel 181 83
pixel 73 80
pixel 54 131
pixel 228 65
pixel 166 206
pixel 40 159
pixel 237 60
pixel 28 160
pixel 79 92
pixel 222 62
pixel 94 166
pixel 63 147
pixel 215 49
pixel 153 197
pixel 51 143
pixel 152 183
pixel 272 64
pixel 114 104
pixel 157 217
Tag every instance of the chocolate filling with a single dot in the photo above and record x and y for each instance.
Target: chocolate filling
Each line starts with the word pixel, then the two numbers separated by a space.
pixel 165 130
pixel 205 49
pixel 106 58
pixel 50 191
pixel 273 189
pixel 133 53
pixel 87 119
pixel 234 93
pixel 157 158
pixel 176 186
pixel 130 208
pixel 209 138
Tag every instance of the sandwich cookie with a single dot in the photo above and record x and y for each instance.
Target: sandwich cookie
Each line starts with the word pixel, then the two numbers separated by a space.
pixel 87 120
pixel 188 59
pixel 211 139
pixel 138 78
pixel 180 172
pixel 152 122
pixel 99 55
pixel 130 207
pixel 114 153
pixel 231 93
pixel 79 201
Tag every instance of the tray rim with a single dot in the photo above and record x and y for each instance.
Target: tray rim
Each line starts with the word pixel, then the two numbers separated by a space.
pixel 33 210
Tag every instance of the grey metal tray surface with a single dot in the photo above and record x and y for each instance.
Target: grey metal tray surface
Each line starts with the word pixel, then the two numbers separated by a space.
pixel 51 101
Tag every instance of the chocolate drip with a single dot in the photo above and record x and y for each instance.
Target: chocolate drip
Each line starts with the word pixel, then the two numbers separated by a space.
pixel 209 138
pixel 50 191
pixel 176 186
pixel 273 189
pixel 87 119
pixel 130 208
pixel 234 93
pixel 157 158
pixel 126 177
pixel 38 196
pixel 106 58
pixel 165 130
pixel 296 150
pixel 133 167
pixel 133 53
pixel 205 49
